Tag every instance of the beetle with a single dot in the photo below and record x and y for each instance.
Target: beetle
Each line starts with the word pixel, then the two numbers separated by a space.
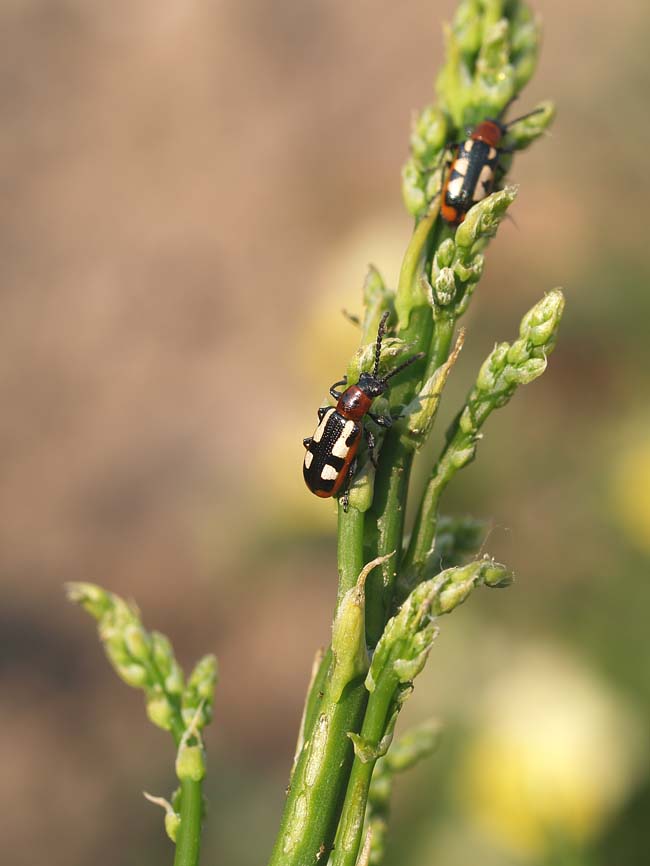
pixel 472 172
pixel 331 456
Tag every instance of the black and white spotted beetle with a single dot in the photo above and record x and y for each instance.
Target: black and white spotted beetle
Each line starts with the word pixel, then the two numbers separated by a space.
pixel 473 170
pixel 330 460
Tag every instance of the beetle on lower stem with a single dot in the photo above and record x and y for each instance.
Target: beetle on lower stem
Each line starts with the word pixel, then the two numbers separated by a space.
pixel 331 457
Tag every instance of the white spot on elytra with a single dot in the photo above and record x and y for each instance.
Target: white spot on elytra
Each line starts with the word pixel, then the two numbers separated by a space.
pixel 486 174
pixel 329 473
pixel 340 449
pixel 484 183
pixel 492 153
pixel 460 166
pixel 318 435
pixel 454 186
pixel 308 459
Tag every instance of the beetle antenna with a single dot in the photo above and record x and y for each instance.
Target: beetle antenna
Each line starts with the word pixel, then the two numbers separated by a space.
pixel 507 106
pixel 523 117
pixel 380 336
pixel 401 367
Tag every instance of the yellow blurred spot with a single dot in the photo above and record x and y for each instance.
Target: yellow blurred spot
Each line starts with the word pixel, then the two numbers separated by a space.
pixel 553 757
pixel 295 509
pixel 516 800
pixel 327 341
pixel 630 492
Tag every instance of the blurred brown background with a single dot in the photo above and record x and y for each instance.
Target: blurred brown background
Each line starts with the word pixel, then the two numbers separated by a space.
pixel 190 193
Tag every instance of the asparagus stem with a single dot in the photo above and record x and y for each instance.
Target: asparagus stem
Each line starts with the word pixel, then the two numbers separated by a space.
pixel 348 840
pixel 188 842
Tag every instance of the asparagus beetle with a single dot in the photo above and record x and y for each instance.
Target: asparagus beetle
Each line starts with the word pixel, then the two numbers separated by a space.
pixel 331 456
pixel 473 169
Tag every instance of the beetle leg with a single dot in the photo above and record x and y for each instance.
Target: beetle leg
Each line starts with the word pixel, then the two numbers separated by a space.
pixel 307 442
pixel 322 411
pixel 445 159
pixel 337 394
pixel 371 442
pixel 355 320
pixel 381 420
pixel 499 172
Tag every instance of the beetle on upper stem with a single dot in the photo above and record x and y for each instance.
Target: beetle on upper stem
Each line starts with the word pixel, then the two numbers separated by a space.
pixel 331 456
pixel 472 172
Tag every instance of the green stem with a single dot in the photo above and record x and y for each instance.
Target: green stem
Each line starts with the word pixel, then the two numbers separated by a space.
pixel 409 290
pixel 350 549
pixel 317 789
pixel 320 777
pixel 350 557
pixel 394 472
pixel 424 529
pixel 313 701
pixel 349 836
pixel 388 509
pixel 441 345
pixel 188 842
